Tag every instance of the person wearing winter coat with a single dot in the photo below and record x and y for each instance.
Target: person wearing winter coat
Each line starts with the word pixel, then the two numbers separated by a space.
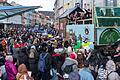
pixel 102 73
pixel 10 68
pixel 111 71
pixel 33 60
pixel 23 73
pixel 3 72
pixel 23 57
pixel 118 68
pixel 69 61
pixel 4 45
pixel 2 67
pixel 45 63
pixel 11 47
pixel 85 72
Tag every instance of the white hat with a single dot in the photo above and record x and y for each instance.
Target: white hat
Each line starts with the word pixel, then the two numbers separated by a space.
pixel 33 47
pixel 10 58
pixel 69 50
pixel 66 76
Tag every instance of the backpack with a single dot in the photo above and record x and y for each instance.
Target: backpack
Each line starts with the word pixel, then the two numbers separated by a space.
pixel 41 64
pixel 74 76
pixel 68 68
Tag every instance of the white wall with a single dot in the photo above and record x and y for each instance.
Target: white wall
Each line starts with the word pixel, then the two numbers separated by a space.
pixel 91 2
pixel 15 20
pixel 100 3
pixel 118 3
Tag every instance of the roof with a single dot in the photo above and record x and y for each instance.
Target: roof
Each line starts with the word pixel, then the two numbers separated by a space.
pixel 48 13
pixel 9 11
pixel 69 11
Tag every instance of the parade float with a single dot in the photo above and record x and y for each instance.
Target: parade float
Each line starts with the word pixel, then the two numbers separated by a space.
pixel 99 26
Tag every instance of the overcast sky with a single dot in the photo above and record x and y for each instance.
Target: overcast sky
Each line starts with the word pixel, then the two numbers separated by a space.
pixel 47 5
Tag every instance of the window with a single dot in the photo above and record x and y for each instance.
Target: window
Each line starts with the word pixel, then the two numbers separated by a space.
pixel 111 2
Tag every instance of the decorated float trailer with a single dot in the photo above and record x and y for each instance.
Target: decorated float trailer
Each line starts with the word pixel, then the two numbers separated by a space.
pixel 107 22
pixel 102 27
pixel 107 26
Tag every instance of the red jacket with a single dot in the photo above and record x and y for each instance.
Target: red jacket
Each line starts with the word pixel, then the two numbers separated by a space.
pixel 17 45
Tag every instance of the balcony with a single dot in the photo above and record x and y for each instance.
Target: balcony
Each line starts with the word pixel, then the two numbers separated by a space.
pixel 107 16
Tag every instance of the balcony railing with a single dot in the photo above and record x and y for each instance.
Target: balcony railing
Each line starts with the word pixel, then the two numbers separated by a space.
pixel 107 16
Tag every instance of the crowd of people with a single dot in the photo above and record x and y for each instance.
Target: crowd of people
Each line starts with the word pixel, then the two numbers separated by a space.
pixel 26 55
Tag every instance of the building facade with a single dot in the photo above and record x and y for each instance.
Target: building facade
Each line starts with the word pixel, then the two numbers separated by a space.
pixel 61 6
pixel 46 18
pixel 26 18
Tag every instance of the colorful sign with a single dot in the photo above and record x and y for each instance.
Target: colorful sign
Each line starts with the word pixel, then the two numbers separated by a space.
pixel 107 36
pixel 82 32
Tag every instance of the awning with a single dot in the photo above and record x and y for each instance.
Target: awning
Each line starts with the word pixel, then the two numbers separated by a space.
pixel 9 11
pixel 69 11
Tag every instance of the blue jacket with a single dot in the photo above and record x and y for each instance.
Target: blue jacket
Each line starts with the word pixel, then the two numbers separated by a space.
pixel 85 74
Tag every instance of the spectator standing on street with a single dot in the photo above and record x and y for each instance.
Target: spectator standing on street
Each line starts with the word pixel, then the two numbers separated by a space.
pixel 4 45
pixel 10 68
pixel 23 73
pixel 33 60
pixel 23 57
pixel 44 64
pixel 85 73
pixel 2 67
pixel 71 60
pixel 111 71
pixel 118 68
